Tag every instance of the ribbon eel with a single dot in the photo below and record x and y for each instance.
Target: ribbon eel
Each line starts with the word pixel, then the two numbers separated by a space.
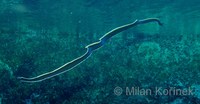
pixel 90 48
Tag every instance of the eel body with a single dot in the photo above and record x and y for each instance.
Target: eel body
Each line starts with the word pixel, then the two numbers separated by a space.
pixel 90 48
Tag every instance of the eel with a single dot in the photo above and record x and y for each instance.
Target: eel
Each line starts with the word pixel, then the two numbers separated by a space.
pixel 90 48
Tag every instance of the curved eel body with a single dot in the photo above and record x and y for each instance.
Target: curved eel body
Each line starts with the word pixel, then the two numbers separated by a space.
pixel 90 48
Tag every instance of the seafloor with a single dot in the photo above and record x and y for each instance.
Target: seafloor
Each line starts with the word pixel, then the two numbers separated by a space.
pixel 145 64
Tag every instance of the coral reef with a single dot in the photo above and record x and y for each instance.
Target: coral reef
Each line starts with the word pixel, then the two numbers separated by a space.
pixel 37 38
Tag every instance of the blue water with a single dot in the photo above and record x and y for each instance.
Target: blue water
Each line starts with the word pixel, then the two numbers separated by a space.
pixel 145 64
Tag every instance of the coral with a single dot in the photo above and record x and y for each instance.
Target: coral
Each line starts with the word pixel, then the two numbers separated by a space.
pixel 150 51
pixel 37 36
pixel 4 66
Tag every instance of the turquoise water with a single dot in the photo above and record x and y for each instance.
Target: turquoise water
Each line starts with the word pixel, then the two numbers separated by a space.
pixel 145 64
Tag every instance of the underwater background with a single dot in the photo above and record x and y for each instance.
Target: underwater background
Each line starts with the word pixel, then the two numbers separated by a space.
pixel 37 36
